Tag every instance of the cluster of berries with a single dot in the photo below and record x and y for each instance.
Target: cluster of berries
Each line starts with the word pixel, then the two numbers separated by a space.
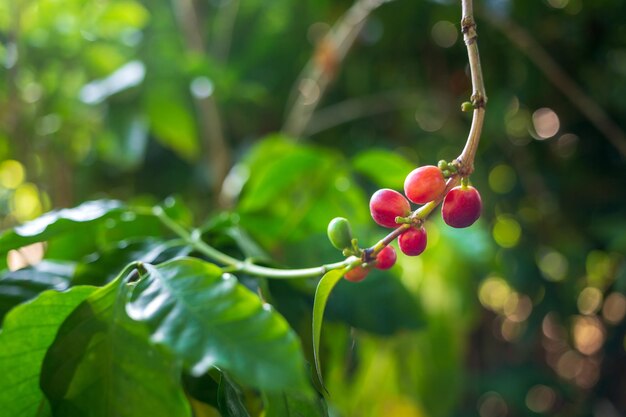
pixel 461 207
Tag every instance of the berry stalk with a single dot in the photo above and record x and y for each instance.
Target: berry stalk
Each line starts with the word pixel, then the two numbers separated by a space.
pixel 357 258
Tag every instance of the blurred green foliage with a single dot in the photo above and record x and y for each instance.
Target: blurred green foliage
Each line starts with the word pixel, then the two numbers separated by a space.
pixel 520 315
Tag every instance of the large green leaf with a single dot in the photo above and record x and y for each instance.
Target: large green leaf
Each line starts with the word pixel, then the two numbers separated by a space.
pixel 57 222
pixel 102 364
pixel 385 168
pixel 27 332
pixel 209 319
pixel 324 288
pixel 279 170
pixel 25 284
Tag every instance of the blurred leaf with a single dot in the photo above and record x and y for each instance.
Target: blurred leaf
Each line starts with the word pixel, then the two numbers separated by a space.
pixel 232 329
pixel 385 168
pixel 324 288
pixel 125 14
pixel 171 120
pixel 26 334
pixel 295 191
pixel 22 285
pixel 57 222
pixel 288 404
pixel 278 166
pixel 229 399
pixel 102 364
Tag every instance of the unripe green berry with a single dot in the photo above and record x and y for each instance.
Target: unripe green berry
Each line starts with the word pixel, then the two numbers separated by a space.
pixel 467 106
pixel 339 233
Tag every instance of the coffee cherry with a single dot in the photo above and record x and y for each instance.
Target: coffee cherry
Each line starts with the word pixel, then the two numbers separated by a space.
pixel 424 184
pixel 386 205
pixel 386 258
pixel 339 233
pixel 461 206
pixel 356 274
pixel 413 241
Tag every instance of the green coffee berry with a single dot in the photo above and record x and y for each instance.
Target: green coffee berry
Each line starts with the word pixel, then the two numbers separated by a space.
pixel 339 233
pixel 467 106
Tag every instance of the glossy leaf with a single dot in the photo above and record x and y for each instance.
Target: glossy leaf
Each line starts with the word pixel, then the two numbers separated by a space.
pixel 385 168
pixel 324 288
pixel 57 222
pixel 103 267
pixel 27 332
pixel 22 285
pixel 102 364
pixel 210 320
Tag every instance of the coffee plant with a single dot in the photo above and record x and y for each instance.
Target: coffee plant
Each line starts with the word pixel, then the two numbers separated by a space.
pixel 133 308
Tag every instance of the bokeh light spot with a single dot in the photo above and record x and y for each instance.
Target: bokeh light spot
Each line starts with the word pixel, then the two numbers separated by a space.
pixel 502 179
pixel 444 33
pixel 491 404
pixel 25 256
pixel 614 308
pixel 201 87
pixel 589 300
pixel 546 123
pixel 540 398
pixel 558 4
pixel 493 293
pixel 25 202
pixel 588 334
pixel 506 231
pixel 553 265
pixel 11 174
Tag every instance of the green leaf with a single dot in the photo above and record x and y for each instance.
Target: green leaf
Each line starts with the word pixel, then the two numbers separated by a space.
pixel 324 288
pixel 57 222
pixel 27 332
pixel 385 168
pixel 229 399
pixel 208 319
pixel 103 267
pixel 22 285
pixel 171 120
pixel 290 404
pixel 102 364
pixel 278 174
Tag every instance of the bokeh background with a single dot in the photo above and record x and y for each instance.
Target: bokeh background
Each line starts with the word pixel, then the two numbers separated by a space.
pixel 282 115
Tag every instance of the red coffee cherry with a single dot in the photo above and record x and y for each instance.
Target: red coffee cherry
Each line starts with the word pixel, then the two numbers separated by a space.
pixel 386 205
pixel 413 241
pixel 461 206
pixel 356 274
pixel 424 184
pixel 386 258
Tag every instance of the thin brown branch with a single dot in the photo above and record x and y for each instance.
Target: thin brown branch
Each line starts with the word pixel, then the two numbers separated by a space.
pixel 357 108
pixel 465 161
pixel 223 31
pixel 525 42
pixel 323 66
